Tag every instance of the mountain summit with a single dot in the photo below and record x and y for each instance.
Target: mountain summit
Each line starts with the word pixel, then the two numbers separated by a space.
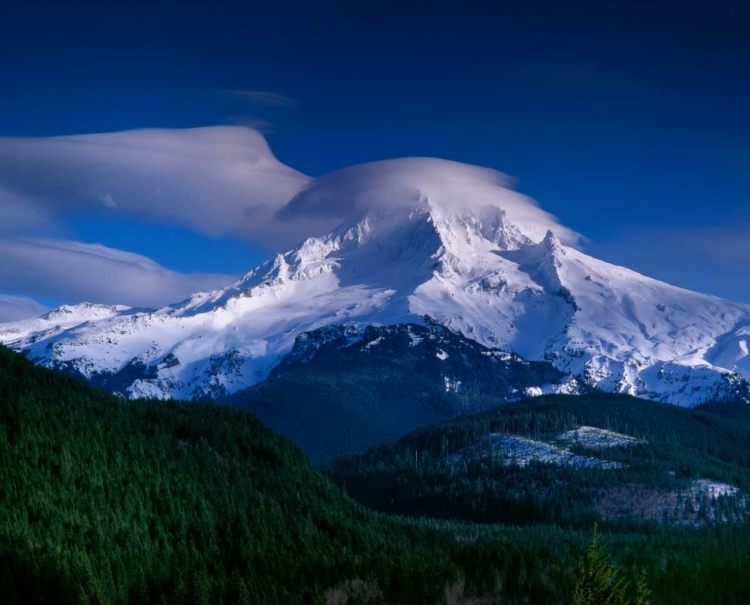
pixel 420 240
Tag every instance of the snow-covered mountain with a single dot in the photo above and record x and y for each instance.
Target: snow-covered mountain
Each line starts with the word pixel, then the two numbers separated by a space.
pixel 419 238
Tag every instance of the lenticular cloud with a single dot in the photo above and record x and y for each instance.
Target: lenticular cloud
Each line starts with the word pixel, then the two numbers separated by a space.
pixel 216 181
pixel 226 181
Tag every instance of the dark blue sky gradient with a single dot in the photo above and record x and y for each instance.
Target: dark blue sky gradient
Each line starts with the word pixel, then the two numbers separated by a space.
pixel 620 120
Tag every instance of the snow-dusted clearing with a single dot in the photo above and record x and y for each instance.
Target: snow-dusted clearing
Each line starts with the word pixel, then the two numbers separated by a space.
pixel 419 238
pixel 521 451
pixel 595 438
pixel 713 489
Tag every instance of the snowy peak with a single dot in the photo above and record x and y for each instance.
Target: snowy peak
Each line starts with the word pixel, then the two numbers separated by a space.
pixel 82 312
pixel 58 320
pixel 420 240
pixel 414 242
pixel 479 227
pixel 411 231
pixel 542 262
pixel 552 243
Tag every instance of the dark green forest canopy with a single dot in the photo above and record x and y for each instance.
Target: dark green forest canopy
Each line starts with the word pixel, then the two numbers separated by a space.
pixel 104 500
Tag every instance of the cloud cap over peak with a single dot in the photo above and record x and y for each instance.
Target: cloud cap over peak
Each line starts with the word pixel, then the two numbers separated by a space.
pixel 404 182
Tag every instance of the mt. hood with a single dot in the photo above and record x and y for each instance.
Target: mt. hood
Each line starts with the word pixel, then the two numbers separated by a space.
pixel 420 240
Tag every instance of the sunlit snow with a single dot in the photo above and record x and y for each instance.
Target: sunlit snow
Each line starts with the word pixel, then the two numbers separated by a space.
pixel 421 239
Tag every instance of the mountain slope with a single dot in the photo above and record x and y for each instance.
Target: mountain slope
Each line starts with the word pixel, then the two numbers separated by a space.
pixel 343 389
pixel 419 238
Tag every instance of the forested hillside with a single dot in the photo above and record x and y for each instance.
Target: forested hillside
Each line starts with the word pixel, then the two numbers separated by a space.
pixel 108 501
pixel 105 500
pixel 530 462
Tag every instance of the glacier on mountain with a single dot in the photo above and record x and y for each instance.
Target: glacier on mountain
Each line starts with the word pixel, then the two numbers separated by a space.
pixel 419 240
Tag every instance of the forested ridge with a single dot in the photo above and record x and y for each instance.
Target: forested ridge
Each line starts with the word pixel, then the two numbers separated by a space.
pixel 105 500
pixel 420 474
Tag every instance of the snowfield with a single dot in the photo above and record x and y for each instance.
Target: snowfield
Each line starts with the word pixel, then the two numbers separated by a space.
pixel 418 238
pixel 592 437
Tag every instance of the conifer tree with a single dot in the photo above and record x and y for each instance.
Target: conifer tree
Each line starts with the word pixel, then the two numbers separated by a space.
pixel 642 592
pixel 598 582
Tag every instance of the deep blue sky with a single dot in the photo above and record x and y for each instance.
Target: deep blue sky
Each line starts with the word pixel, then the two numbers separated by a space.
pixel 629 123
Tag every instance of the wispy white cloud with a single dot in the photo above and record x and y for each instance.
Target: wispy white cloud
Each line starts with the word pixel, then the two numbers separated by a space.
pixel 74 271
pixel 13 308
pixel 268 99
pixel 258 124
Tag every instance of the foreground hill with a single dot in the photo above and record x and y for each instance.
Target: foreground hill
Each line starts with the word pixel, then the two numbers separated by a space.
pixel 608 459
pixel 105 500
pixel 417 238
